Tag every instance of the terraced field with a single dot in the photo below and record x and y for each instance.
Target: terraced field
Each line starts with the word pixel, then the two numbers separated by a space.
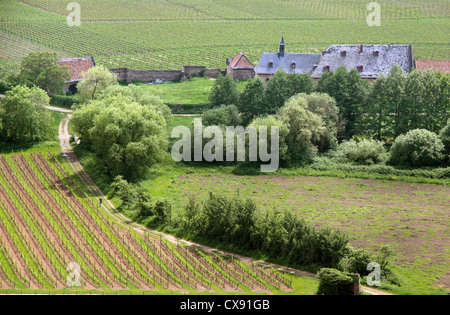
pixel 168 34
pixel 48 222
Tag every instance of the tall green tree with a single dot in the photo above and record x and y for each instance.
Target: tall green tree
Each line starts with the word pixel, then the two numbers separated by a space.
pixel 95 80
pixel 224 92
pixel 305 129
pixel 42 70
pixel 128 136
pixel 24 116
pixel 300 83
pixel 350 92
pixel 277 91
pixel 251 101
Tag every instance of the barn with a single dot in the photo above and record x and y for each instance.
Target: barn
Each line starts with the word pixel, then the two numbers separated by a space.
pixel 76 68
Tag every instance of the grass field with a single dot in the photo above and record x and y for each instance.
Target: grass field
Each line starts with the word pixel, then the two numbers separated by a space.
pixel 191 92
pixel 168 34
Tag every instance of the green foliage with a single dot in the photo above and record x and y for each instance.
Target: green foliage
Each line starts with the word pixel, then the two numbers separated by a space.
pixel 356 261
pixel 399 103
pixel 283 131
pixel 95 80
pixel 364 151
pixel 225 115
pixel 139 200
pixel 4 87
pixel 252 101
pixel 325 106
pixel 24 116
pixel 63 100
pixel 350 92
pixel 330 279
pixel 127 135
pixel 237 221
pixel 224 92
pixel 305 129
pixel 41 69
pixel 418 147
pixel 445 137
pixel 277 92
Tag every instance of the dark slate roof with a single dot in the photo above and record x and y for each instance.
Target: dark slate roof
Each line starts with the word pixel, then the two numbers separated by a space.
pixel 77 66
pixel 372 66
pixel 303 63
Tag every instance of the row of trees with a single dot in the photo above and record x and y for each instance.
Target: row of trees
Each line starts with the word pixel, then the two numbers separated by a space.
pixel 394 104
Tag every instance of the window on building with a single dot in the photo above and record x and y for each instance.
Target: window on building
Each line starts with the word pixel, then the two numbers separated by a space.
pixel 294 65
pixel 270 64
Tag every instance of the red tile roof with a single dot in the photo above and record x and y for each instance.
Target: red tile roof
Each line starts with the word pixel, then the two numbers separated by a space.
pixel 240 61
pixel 442 65
pixel 77 66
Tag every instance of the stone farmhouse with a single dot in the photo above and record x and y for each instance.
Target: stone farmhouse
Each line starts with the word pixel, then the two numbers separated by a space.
pixel 370 60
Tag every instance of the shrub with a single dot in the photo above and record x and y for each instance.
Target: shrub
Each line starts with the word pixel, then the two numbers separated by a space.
pixel 225 115
pixel 330 279
pixel 363 152
pixel 63 100
pixel 419 147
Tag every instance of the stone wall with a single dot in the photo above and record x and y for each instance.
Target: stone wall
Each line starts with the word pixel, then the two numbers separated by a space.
pixel 129 75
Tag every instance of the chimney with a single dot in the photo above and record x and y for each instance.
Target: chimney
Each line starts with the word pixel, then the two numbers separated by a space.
pixel 361 48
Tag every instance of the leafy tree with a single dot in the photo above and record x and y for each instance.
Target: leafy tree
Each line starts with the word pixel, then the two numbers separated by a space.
pixel 350 92
pixel 128 136
pixel 393 94
pixel 136 94
pixel 225 115
pixel 24 116
pixel 270 121
pixel 300 83
pixel 95 80
pixel 418 147
pixel 305 129
pixel 42 70
pixel 277 92
pixel 252 101
pixel 444 135
pixel 223 92
pixel 325 106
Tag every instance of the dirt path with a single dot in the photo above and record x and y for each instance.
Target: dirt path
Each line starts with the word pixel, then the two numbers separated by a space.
pixel 66 148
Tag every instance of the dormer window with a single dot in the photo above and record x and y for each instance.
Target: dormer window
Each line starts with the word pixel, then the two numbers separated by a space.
pixel 271 64
pixel 376 53
pixel 360 68
pixel 326 68
pixel 294 65
pixel 343 53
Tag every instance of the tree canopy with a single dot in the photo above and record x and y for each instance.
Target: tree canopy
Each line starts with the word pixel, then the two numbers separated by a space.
pixel 42 70
pixel 24 116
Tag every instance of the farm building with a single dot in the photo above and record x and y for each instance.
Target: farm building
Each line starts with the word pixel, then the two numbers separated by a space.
pixel 76 67
pixel 240 68
pixel 439 65
pixel 370 60
pixel 289 62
